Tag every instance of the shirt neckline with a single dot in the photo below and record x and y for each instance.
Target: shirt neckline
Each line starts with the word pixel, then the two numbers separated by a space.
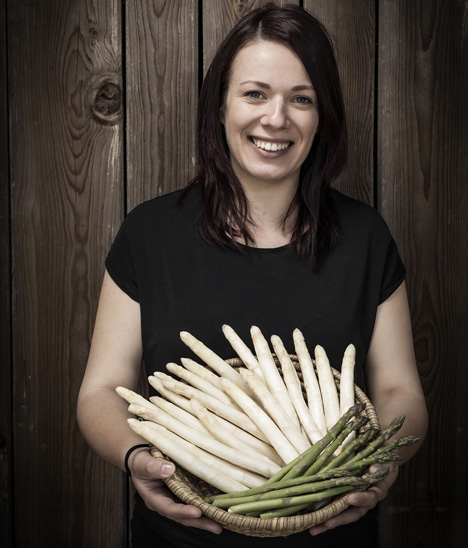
pixel 263 249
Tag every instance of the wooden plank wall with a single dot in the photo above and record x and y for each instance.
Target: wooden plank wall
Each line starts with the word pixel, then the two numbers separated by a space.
pixel 98 113
pixel 422 192
pixel 67 197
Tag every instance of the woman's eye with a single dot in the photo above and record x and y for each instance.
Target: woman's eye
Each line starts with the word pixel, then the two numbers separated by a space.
pixel 303 100
pixel 253 95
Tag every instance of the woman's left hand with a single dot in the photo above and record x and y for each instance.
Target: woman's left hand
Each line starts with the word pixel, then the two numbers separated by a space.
pixel 362 502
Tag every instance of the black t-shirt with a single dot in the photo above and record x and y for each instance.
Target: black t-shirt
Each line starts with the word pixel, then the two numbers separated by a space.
pixel 184 283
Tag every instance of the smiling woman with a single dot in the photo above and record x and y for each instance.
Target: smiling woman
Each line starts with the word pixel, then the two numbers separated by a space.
pixel 257 238
pixel 278 63
pixel 270 118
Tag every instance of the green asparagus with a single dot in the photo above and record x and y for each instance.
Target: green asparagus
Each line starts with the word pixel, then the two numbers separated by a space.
pixel 310 456
pixel 392 428
pixel 292 491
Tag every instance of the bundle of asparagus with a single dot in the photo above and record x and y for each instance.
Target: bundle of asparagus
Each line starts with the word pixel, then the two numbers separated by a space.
pixel 317 474
pixel 273 443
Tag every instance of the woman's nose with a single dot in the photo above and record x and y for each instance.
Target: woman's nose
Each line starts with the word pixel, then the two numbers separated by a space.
pixel 275 113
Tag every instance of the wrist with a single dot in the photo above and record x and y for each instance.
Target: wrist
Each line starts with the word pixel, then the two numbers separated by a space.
pixel 130 455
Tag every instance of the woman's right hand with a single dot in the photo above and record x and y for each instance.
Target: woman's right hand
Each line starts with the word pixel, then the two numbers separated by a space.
pixel 147 476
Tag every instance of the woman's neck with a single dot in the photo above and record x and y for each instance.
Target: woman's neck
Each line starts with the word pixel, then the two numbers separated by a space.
pixel 268 207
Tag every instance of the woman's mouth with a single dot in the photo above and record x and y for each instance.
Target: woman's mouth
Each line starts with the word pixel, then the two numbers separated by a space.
pixel 271 145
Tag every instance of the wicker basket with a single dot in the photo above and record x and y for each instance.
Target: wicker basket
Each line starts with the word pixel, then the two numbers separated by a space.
pixel 191 490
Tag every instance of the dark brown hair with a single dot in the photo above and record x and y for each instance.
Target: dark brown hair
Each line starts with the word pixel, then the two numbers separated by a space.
pixel 224 210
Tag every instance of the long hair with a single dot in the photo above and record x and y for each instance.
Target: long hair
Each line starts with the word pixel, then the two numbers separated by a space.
pixel 224 210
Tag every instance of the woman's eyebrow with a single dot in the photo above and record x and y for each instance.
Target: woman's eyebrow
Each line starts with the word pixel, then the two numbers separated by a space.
pixel 267 86
pixel 257 83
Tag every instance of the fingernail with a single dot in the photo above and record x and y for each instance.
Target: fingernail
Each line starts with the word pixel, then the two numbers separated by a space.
pixel 167 470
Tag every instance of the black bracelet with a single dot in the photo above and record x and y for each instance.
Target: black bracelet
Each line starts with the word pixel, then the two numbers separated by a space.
pixel 127 456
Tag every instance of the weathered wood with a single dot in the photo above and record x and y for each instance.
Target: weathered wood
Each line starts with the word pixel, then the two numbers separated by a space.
pixel 66 180
pixel 351 26
pixel 162 92
pixel 220 16
pixel 422 175
pixel 66 195
pixel 6 431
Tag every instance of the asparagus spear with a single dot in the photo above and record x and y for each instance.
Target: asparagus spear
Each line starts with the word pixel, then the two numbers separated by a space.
pixel 400 442
pixel 328 451
pixel 293 491
pixel 289 510
pixel 359 466
pixel 383 454
pixel 392 428
pixel 331 404
pixel 362 440
pixel 261 505
pixel 301 464
pixel 268 487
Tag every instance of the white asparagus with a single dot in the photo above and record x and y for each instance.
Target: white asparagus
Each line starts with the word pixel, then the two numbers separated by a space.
pixel 228 412
pixel 132 397
pixel 347 386
pixel 186 459
pixel 212 359
pixel 270 371
pixel 198 382
pixel 178 413
pixel 221 434
pixel 258 445
pixel 243 351
pixel 347 379
pixel 235 472
pixel 210 444
pixel 295 390
pixel 271 405
pixel 277 439
pixel 202 372
pixel 176 399
pixel 331 405
pixel 311 385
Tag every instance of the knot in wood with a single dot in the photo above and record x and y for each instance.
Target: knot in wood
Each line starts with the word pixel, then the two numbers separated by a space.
pixel 108 101
pixel 104 100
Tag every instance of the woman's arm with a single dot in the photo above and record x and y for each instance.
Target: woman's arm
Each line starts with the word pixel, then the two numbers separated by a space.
pixel 115 360
pixel 395 390
pixel 391 373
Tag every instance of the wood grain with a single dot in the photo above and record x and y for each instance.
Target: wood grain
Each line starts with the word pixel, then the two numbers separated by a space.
pixel 220 16
pixel 70 173
pixel 162 93
pixel 351 26
pixel 66 194
pixel 422 173
pixel 6 430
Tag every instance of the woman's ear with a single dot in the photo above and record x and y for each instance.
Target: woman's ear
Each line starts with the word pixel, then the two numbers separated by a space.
pixel 221 115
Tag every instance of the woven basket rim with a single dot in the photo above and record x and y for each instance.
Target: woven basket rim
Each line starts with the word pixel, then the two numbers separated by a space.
pixel 256 526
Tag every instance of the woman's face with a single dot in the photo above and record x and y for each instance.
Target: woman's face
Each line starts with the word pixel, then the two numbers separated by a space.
pixel 270 114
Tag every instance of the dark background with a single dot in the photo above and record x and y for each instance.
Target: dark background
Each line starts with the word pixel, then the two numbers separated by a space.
pixel 97 112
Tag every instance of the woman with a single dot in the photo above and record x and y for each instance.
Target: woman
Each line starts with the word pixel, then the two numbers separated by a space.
pixel 258 238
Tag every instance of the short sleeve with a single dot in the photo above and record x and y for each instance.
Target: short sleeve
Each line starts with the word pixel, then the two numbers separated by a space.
pixel 120 263
pixel 394 271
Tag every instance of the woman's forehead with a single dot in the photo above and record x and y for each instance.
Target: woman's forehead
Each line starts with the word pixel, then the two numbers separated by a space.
pixel 264 60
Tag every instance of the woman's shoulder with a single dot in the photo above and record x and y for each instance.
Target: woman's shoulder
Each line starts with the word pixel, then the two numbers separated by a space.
pixel 167 208
pixel 355 214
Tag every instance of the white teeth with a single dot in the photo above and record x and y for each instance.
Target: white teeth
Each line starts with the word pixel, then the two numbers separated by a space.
pixel 270 146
